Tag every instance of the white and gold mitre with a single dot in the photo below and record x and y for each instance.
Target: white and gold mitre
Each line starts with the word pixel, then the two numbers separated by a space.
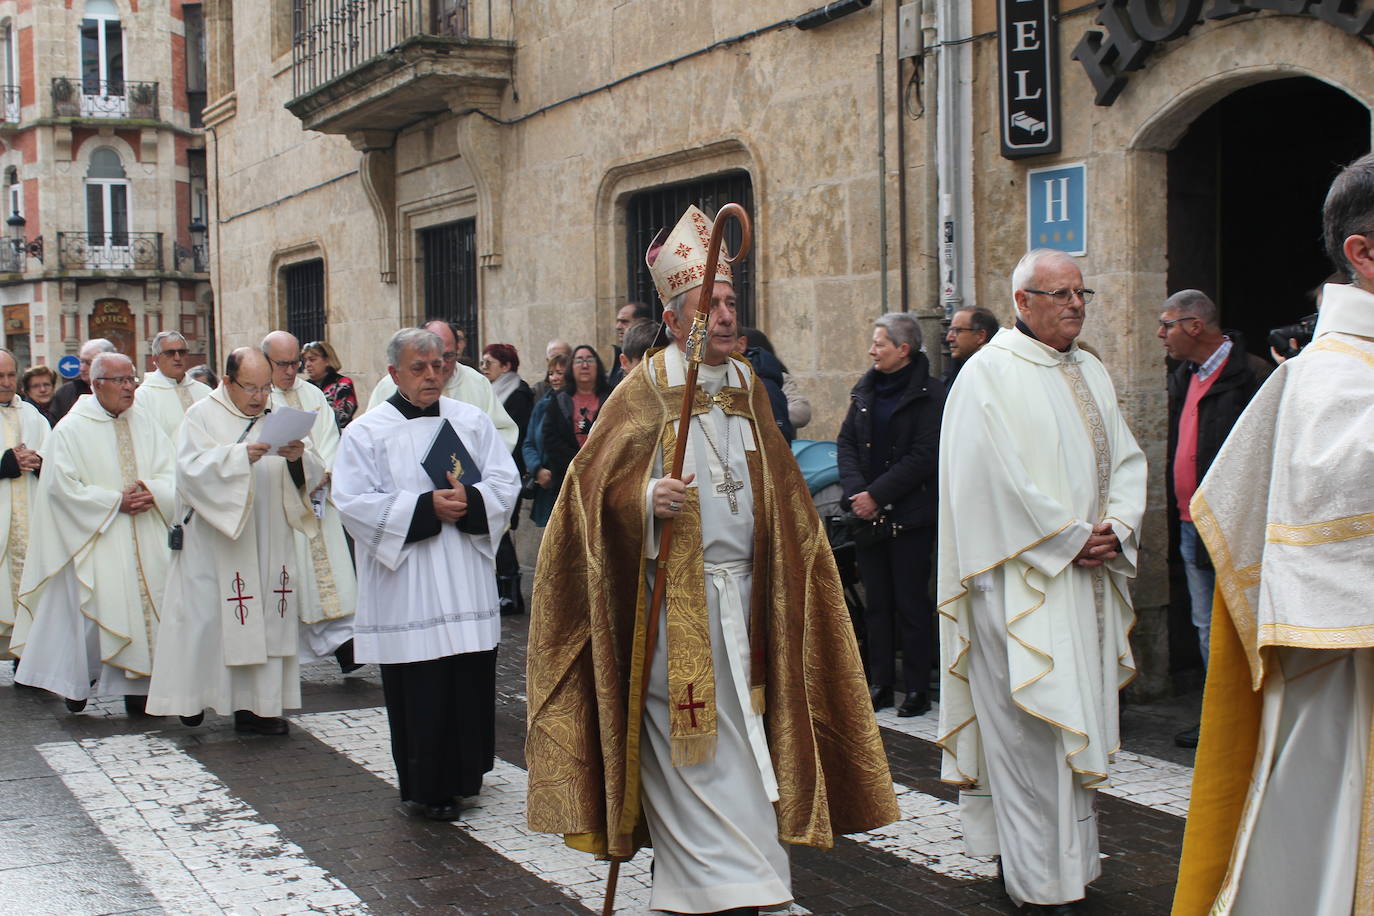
pixel 678 262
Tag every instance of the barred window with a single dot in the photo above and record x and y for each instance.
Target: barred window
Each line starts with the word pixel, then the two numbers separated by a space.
pixel 450 277
pixel 660 208
pixel 305 299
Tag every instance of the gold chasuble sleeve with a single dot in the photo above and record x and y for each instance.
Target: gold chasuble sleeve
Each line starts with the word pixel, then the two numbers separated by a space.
pixel 587 630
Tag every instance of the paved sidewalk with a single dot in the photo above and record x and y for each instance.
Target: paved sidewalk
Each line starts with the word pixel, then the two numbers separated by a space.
pixel 101 815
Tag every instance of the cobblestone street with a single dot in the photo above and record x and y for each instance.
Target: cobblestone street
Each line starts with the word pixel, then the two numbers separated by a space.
pixel 102 816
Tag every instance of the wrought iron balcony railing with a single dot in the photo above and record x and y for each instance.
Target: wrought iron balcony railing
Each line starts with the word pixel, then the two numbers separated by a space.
pixel 9 110
pixel 83 97
pixel 333 37
pixel 109 250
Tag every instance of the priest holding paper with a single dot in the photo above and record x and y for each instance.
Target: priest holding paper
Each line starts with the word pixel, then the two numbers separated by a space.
pixel 329 587
pixel 232 591
pixel 24 431
pixel 168 392
pixel 426 486
pixel 98 557
pixel 1042 490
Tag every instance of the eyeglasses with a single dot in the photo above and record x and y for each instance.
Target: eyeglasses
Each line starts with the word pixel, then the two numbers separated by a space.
pixel 252 390
pixel 1167 323
pixel 118 379
pixel 584 361
pixel 180 351
pixel 450 357
pixel 286 363
pixel 1065 296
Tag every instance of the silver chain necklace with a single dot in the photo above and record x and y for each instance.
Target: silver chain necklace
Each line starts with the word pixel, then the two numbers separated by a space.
pixel 729 486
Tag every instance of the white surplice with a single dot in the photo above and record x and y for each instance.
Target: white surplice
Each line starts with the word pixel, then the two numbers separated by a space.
pixel 329 586
pixel 1287 514
pixel 20 424
pixel 714 830
pixel 231 599
pixel 167 401
pixel 434 597
pixel 466 385
pixel 1033 453
pixel 93 583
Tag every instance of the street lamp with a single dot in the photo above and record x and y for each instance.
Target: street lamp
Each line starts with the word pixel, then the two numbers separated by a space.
pixel 20 243
pixel 200 260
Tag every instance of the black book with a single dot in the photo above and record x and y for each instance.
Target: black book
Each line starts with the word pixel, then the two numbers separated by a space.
pixel 447 453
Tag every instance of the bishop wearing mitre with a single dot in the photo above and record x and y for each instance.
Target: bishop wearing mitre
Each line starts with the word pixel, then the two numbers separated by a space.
pixel 92 588
pixel 168 392
pixel 22 434
pixel 329 587
pixel 232 591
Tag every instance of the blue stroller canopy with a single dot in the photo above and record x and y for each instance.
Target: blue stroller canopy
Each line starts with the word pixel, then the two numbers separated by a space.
pixel 818 463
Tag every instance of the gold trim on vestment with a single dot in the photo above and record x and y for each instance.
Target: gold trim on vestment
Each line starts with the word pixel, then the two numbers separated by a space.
pixel 1232 582
pixel 17 544
pixel 1327 342
pixel 1317 533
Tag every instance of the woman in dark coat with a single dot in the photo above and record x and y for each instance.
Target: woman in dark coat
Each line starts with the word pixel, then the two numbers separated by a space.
pixel 888 453
pixel 568 420
pixel 500 364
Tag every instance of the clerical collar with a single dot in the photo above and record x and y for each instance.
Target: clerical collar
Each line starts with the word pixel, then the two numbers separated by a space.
pixel 1025 329
pixel 411 411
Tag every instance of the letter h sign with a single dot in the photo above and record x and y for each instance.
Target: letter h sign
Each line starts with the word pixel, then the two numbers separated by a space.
pixel 1057 208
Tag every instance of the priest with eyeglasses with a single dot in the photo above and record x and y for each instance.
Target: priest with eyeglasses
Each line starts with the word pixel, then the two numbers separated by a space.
pixel 168 391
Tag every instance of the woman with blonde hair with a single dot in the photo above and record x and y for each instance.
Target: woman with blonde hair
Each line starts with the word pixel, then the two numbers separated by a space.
pixel 322 368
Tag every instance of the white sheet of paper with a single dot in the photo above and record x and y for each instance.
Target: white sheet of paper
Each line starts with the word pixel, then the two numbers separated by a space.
pixel 284 425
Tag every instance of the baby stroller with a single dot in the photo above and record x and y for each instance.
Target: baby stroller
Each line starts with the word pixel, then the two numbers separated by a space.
pixel 821 470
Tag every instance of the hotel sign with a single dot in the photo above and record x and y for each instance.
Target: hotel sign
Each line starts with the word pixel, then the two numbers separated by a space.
pixel 1134 27
pixel 1028 52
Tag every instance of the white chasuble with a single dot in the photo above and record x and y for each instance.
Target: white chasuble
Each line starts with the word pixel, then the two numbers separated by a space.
pixel 328 586
pixel 232 592
pixel 93 583
pixel 167 401
pixel 1033 453
pixel 713 825
pixel 466 385
pixel 20 424
pixel 434 597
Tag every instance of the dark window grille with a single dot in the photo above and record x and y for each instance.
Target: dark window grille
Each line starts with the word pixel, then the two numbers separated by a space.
pixel 660 208
pixel 450 270
pixel 305 300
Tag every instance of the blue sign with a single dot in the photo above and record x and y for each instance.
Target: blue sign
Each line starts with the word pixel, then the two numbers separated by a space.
pixel 69 366
pixel 1057 208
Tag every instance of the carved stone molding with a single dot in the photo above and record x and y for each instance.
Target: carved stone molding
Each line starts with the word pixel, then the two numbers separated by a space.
pixel 378 171
pixel 479 143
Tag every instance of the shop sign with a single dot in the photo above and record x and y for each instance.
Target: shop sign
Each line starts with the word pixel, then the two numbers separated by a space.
pixel 1134 27
pixel 1028 40
pixel 1057 208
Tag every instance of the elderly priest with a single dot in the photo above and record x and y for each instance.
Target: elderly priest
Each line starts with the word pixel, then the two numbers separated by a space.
pixel 231 605
pixel 1042 489
pixel 98 557
pixel 24 431
pixel 168 392
pixel 426 485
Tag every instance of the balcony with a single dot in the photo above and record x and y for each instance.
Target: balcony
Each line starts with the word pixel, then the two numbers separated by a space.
pixel 105 251
pixel 195 259
pixel 13 257
pixel 81 97
pixel 9 106
pixel 382 64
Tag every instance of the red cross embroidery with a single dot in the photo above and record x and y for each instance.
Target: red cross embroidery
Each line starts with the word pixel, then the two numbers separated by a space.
pixel 283 591
pixel 691 706
pixel 240 612
pixel 683 251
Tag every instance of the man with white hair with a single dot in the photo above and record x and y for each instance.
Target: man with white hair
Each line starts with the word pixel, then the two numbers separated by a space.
pixel 1042 490
pixel 329 586
pixel 98 556
pixel 461 383
pixel 67 395
pixel 24 431
pixel 428 611
pixel 168 391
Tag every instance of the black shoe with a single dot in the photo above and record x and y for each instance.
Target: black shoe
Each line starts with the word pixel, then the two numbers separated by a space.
pixel 436 811
pixel 137 706
pixel 881 697
pixel 254 724
pixel 344 655
pixel 915 704
pixel 192 721
pixel 1058 909
pixel 1187 737
pixel 75 705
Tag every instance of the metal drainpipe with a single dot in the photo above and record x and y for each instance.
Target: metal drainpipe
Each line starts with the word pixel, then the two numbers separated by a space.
pixel 954 143
pixel 882 184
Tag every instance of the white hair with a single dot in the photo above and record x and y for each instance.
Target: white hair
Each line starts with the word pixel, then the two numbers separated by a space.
pixel 156 343
pixel 1024 274
pixel 99 344
pixel 901 329
pixel 422 341
pixel 104 359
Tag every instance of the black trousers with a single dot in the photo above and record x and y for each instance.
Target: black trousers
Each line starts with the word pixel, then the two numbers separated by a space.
pixel 898 609
pixel 442 715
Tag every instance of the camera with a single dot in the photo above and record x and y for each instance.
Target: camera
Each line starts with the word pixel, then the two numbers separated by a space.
pixel 1300 331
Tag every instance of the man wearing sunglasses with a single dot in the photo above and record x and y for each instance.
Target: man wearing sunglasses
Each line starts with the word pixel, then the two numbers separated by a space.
pixel 168 391
pixel 1042 491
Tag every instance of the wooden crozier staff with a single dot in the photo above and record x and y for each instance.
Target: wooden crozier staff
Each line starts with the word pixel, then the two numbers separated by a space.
pixel 695 345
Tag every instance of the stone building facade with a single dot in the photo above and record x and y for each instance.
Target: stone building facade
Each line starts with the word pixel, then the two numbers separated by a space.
pixel 103 170
pixel 501 164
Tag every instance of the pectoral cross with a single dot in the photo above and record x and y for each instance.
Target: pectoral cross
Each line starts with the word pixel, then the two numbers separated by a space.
pixel 283 591
pixel 691 706
pixel 727 488
pixel 240 612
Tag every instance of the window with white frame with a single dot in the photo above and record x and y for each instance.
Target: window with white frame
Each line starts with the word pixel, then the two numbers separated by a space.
pixel 102 60
pixel 14 193
pixel 107 201
pixel 9 91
